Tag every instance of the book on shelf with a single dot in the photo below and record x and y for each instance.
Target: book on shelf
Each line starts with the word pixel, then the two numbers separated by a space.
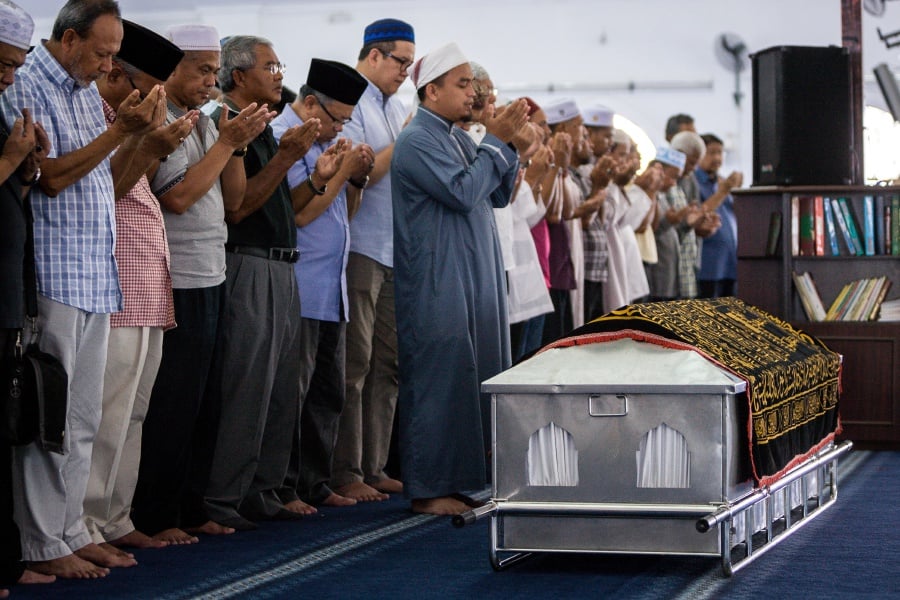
pixel 879 223
pixel 890 310
pixel 868 225
pixel 819 225
pixel 774 235
pixel 806 232
pixel 795 225
pixel 852 226
pixel 809 296
pixel 842 225
pixel 859 300
pixel 830 231
pixel 895 225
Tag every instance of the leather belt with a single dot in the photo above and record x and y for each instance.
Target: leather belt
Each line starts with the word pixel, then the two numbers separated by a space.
pixel 290 255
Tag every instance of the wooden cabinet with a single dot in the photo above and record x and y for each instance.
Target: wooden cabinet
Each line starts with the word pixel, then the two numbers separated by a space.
pixel 870 402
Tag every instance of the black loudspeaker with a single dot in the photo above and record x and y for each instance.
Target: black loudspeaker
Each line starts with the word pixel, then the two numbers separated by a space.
pixel 802 131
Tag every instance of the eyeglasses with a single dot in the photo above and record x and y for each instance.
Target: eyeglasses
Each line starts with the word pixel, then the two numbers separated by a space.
pixel 331 116
pixel 404 63
pixel 275 68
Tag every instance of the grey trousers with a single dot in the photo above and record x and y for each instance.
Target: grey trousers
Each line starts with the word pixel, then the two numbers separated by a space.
pixel 49 488
pixel 364 432
pixel 254 376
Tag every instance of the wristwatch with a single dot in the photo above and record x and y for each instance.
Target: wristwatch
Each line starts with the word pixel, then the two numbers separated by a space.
pixel 360 184
pixel 33 180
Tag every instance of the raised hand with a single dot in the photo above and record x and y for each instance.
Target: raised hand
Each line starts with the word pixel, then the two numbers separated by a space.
pixel 734 180
pixel 21 140
pixel 540 163
pixel 358 161
pixel 239 131
pixel 137 117
pixel 561 144
pixel 163 140
pixel 524 138
pixel 603 172
pixel 330 161
pixel 298 139
pixel 508 120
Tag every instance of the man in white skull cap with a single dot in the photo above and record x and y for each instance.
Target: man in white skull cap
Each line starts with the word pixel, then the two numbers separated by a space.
pixel 452 325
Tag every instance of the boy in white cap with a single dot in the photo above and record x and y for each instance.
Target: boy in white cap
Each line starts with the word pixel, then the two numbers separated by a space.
pixel 448 273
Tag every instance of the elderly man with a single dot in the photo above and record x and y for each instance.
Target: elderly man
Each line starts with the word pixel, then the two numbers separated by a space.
pixel 364 433
pixel 451 304
pixel 195 185
pixel 331 91
pixel 24 144
pixel 258 347
pixel 144 61
pixel 74 233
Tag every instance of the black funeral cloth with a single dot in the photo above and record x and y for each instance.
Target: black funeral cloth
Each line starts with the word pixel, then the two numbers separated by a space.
pixel 793 379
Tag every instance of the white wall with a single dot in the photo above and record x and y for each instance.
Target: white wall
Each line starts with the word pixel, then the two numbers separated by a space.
pixel 589 49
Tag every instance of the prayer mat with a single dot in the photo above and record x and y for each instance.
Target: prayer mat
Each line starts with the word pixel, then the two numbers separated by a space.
pixel 793 379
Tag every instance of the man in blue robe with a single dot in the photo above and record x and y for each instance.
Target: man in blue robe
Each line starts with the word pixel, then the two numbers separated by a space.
pixel 451 311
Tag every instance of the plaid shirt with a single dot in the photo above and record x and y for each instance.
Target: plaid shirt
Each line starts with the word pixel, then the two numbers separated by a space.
pixel 74 233
pixel 596 245
pixel 687 259
pixel 142 253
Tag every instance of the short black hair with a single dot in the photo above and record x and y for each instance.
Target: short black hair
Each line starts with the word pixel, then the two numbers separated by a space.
pixel 380 46
pixel 80 15
pixel 711 138
pixel 673 125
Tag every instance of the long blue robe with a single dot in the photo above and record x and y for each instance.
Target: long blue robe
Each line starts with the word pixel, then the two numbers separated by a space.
pixel 450 294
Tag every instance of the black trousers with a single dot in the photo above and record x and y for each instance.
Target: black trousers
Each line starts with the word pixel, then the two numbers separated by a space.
pixel 181 426
pixel 11 565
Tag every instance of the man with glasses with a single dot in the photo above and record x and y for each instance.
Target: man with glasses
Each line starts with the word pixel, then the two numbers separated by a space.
pixel 254 378
pixel 331 91
pixel 366 423
pixel 195 185
pixel 144 62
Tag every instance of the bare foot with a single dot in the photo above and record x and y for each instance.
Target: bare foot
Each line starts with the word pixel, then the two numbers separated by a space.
pixel 105 558
pixel 138 539
pixel 361 492
pixel 115 551
pixel 29 576
pixel 176 536
pixel 300 507
pixel 211 528
pixel 389 485
pixel 69 567
pixel 442 505
pixel 338 500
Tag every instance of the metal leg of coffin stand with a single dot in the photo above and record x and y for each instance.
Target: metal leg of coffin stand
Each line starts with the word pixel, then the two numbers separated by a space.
pixel 776 529
pixel 511 558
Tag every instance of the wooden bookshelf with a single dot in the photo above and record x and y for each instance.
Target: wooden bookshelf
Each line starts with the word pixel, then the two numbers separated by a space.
pixel 870 402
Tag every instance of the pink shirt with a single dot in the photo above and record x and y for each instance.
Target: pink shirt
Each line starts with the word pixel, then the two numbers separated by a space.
pixel 142 254
pixel 541 236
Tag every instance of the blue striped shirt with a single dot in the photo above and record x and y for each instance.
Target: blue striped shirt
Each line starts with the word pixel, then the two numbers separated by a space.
pixel 74 233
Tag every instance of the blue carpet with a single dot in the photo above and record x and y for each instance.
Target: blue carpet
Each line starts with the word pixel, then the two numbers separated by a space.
pixel 381 550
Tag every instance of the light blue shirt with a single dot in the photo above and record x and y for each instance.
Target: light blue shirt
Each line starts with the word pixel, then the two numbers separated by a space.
pixel 377 121
pixel 324 243
pixel 719 251
pixel 74 233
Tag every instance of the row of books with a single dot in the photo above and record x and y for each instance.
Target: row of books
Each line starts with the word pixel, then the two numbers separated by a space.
pixel 860 300
pixel 823 226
